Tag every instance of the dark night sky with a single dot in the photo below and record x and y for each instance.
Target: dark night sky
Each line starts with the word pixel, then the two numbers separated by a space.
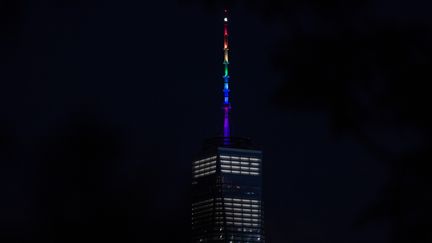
pixel 104 105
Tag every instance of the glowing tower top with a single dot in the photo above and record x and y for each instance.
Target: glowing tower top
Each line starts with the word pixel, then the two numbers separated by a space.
pixel 227 199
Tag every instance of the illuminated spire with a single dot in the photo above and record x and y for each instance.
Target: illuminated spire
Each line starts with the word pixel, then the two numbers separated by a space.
pixel 226 90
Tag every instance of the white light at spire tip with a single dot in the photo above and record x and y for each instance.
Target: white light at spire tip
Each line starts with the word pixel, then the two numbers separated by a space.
pixel 226 19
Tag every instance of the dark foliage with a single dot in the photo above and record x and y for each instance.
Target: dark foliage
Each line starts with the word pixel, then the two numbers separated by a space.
pixel 84 187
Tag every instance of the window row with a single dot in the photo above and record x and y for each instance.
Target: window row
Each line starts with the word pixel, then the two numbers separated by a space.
pixel 235 162
pixel 242 205
pixel 244 210
pixel 204 160
pixel 231 216
pixel 243 224
pixel 206 213
pixel 242 158
pixel 239 224
pixel 254 201
pixel 239 220
pixel 244 229
pixel 202 207
pixel 203 202
pixel 243 215
pixel 205 173
pixel 226 199
pixel 234 167
pixel 227 209
pixel 240 172
pixel 203 165
pixel 205 169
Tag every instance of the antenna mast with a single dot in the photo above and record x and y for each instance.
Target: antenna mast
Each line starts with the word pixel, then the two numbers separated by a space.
pixel 226 77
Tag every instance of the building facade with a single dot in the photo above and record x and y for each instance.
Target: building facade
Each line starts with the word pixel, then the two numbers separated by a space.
pixel 227 201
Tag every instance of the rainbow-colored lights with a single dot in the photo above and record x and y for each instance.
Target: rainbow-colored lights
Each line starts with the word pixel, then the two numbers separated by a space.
pixel 226 90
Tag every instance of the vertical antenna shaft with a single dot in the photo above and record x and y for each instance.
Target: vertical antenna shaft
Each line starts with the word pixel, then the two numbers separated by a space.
pixel 226 90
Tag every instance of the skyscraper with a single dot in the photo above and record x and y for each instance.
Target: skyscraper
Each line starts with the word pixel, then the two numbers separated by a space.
pixel 227 201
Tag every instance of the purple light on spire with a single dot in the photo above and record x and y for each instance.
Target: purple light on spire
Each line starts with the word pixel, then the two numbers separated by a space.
pixel 226 123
